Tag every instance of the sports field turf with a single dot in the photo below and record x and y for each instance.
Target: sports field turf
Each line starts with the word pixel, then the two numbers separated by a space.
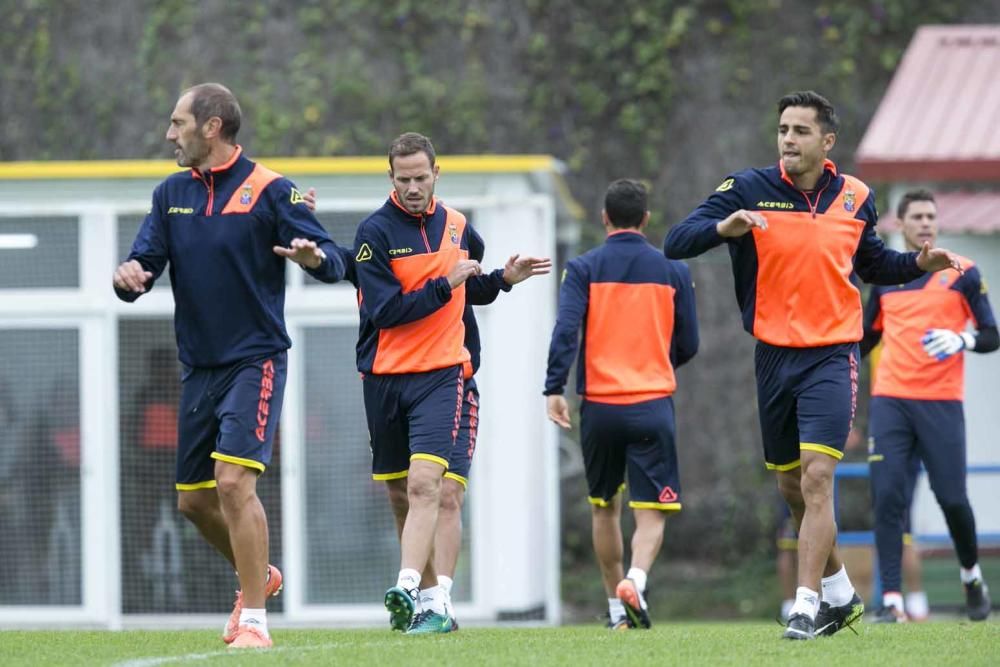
pixel 935 643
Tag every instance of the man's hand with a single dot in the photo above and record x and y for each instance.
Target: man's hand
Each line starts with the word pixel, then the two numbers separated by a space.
pixel 936 259
pixel 518 269
pixel 302 251
pixel 131 277
pixel 310 199
pixel 739 223
pixel 558 409
pixel 462 271
pixel 943 343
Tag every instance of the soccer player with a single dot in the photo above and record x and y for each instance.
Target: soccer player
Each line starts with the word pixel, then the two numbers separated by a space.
pixel 225 226
pixel 448 536
pixel 412 266
pixel 637 311
pixel 916 408
pixel 795 232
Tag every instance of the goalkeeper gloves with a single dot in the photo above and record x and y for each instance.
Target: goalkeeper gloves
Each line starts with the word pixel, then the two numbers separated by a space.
pixel 943 343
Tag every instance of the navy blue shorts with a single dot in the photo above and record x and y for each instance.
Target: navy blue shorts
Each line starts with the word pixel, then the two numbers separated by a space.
pixel 806 398
pixel 638 439
pixel 904 432
pixel 412 416
pixel 468 429
pixel 230 414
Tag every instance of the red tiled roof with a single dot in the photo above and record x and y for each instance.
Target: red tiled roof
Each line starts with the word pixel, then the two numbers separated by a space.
pixel 940 117
pixel 959 212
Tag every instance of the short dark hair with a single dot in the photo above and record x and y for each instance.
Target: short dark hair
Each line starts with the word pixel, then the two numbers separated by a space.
pixel 214 99
pixel 411 143
pixel 625 203
pixel 910 197
pixel 825 113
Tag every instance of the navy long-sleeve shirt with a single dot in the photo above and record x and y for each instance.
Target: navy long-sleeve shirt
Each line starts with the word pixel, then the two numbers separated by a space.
pixel 216 230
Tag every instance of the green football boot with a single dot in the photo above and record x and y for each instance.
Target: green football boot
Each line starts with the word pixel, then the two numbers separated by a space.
pixel 400 604
pixel 430 622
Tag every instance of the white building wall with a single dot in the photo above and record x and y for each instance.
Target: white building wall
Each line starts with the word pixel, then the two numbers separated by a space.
pixel 517 446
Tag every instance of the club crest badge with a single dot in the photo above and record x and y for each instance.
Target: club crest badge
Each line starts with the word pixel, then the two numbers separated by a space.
pixel 453 230
pixel 849 201
pixel 247 195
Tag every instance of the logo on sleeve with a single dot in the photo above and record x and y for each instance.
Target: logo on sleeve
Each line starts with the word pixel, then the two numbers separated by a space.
pixel 364 253
pixel 983 288
pixel 725 185
pixel 297 197
pixel 849 201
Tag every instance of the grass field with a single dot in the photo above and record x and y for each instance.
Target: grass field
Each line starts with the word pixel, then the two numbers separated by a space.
pixel 935 643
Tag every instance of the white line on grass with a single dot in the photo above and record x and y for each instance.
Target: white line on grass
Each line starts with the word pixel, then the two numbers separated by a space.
pixel 198 657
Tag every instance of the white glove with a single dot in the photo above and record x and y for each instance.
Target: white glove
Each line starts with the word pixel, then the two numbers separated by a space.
pixel 943 343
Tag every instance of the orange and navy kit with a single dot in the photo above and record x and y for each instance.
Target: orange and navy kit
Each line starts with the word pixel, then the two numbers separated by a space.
pixel 916 412
pixel 900 315
pixel 216 229
pixel 411 342
pixel 793 285
pixel 636 310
